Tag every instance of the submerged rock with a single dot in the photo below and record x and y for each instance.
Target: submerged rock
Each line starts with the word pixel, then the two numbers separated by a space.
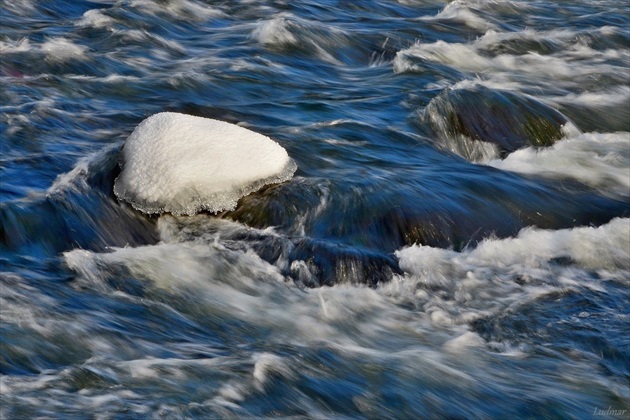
pixel 308 261
pixel 505 120
pixel 185 164
pixel 421 207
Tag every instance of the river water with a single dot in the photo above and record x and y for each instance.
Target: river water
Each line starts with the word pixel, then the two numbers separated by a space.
pixel 454 244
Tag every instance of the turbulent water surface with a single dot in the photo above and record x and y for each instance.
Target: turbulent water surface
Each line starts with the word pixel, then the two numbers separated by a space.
pixel 455 241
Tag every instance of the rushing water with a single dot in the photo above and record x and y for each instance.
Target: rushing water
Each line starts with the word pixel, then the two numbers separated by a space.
pixel 407 270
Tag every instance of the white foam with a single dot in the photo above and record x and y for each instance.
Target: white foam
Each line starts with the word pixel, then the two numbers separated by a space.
pixel 62 49
pixel 491 84
pixel 600 160
pixel 604 247
pixel 461 11
pixel 184 164
pixel 212 281
pixel 274 32
pixel 467 57
pixel 20 8
pixel 116 78
pixel 458 287
pixel 465 341
pixel 149 39
pixel 617 96
pixel 23 45
pixel 473 150
pixel 492 37
pixel 566 67
pixel 268 363
pixel 286 29
pixel 181 9
pixel 95 19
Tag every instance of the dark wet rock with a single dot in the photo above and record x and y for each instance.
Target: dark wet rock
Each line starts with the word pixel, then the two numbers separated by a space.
pixel 310 262
pixel 523 45
pixel 425 208
pixel 315 262
pixel 286 205
pixel 330 263
pixel 505 119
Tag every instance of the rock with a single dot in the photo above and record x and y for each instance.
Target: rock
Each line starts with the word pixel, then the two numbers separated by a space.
pixel 185 164
pixel 506 120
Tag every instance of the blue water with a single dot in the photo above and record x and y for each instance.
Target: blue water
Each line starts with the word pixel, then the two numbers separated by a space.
pixel 454 244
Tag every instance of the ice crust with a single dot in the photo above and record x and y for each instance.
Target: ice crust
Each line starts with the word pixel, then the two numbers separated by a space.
pixel 184 164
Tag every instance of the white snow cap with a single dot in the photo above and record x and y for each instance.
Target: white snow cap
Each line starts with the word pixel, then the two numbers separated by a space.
pixel 184 164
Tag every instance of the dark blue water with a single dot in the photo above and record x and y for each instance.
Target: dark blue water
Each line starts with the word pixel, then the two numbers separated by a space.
pixel 454 244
